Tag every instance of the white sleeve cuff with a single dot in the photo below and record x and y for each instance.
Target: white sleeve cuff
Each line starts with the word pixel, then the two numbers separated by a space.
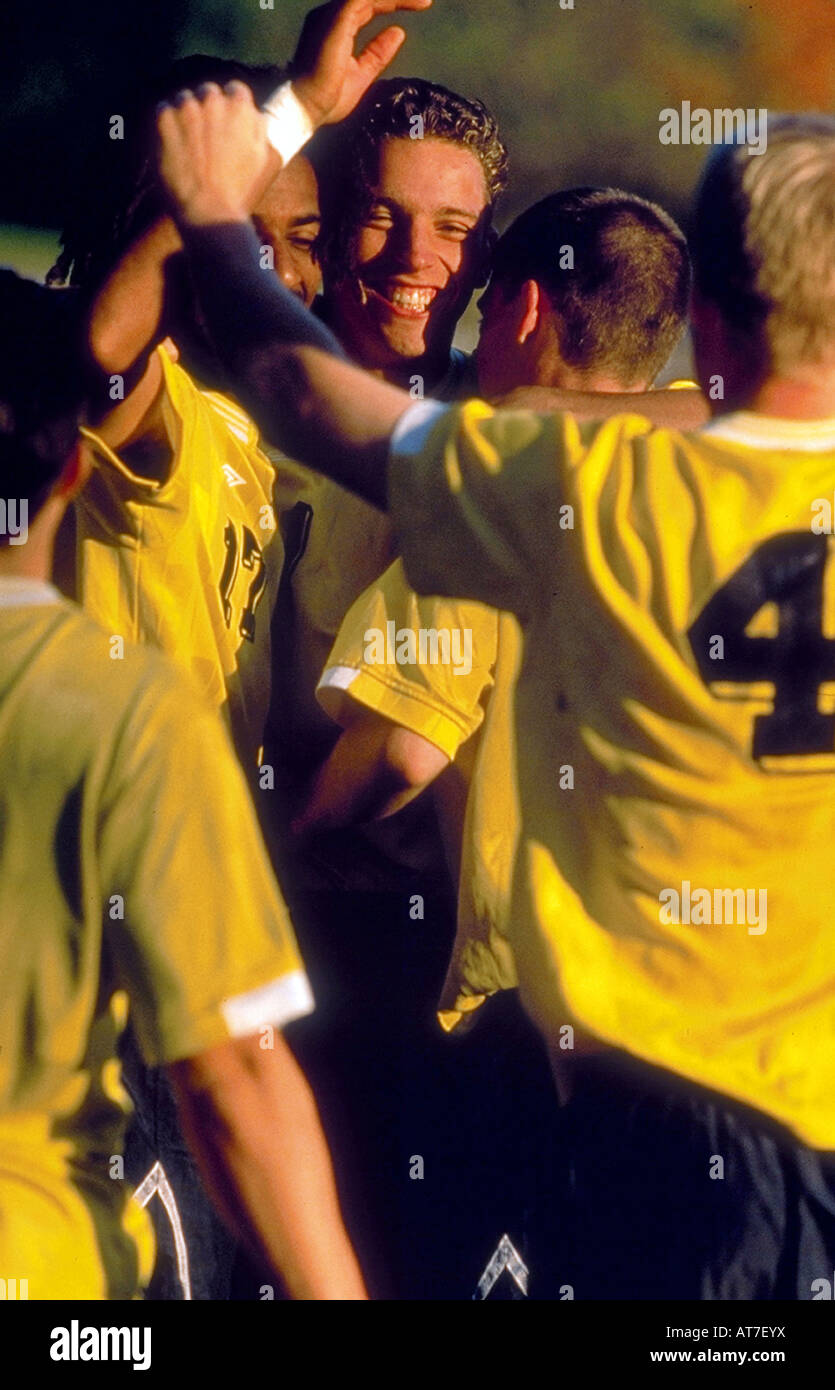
pixel 340 677
pixel 276 1003
pixel 414 427
pixel 288 125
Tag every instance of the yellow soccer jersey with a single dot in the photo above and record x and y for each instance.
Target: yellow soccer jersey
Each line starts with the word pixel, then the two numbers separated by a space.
pixel 190 564
pixel 676 594
pixel 131 871
pixel 336 546
pixel 389 657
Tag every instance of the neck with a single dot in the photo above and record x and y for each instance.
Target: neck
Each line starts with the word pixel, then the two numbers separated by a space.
pixel 787 399
pixel 33 559
pixel 431 367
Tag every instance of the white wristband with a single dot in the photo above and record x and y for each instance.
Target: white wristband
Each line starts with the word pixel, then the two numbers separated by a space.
pixel 287 122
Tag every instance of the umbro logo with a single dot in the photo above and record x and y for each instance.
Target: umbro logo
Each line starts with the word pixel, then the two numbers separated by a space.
pixel 233 479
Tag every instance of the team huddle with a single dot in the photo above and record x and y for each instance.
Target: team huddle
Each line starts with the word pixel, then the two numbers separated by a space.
pixel 312 604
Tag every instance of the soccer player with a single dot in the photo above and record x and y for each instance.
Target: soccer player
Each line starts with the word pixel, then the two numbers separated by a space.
pixel 677 657
pixel 408 191
pixel 132 875
pixel 176 537
pixel 607 322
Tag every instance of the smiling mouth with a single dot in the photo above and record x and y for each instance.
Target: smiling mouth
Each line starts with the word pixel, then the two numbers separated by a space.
pixel 407 301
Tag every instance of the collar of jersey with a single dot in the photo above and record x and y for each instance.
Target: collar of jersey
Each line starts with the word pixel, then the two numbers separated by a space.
pixel 767 432
pixel 19 592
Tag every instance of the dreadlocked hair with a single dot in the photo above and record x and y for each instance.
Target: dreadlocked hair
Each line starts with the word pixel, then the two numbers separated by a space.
pixel 122 195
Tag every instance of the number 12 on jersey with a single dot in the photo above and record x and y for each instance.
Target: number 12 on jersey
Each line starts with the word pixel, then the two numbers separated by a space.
pixel 245 554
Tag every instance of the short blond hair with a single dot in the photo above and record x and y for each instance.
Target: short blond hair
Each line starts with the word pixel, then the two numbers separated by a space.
pixel 764 241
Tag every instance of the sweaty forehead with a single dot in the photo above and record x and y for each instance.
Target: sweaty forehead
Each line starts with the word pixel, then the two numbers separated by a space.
pixel 430 175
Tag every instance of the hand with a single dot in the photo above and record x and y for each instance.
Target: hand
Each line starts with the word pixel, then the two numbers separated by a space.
pixel 328 79
pixel 214 155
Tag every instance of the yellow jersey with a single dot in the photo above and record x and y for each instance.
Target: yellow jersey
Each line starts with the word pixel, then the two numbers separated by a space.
pixel 122 883
pixel 336 546
pixel 446 670
pixel 190 563
pixel 675 724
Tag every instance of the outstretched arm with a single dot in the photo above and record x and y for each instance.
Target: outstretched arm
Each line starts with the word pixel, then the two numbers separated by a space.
pixel 288 369
pixel 685 409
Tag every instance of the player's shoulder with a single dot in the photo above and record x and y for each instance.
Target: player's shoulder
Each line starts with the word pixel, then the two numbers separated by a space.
pixel 108 674
pixel 90 694
pixel 227 421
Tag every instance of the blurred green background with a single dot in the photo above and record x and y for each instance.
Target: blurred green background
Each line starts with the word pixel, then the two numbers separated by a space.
pixel 577 91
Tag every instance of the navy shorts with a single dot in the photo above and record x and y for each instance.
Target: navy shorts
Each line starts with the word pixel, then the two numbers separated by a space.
pixel 663 1190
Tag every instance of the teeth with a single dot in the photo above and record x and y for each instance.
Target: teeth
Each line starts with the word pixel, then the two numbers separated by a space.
pixel 412 298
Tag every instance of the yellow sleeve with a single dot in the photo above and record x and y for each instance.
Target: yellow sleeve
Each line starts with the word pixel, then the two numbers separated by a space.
pixel 424 663
pixel 198 933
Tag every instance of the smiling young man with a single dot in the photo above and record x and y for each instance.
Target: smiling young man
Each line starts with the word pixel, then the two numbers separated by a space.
pixel 696 760
pixel 408 189
pixel 409 225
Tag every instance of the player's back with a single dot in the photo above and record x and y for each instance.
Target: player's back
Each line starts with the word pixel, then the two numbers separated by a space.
pixel 64 707
pixel 684 670
pixel 675 594
pixel 112 884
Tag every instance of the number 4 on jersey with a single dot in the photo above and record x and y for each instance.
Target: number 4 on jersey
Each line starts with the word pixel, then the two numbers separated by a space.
pixel 787 571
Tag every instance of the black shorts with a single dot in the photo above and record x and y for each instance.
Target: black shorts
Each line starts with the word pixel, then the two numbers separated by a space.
pixel 663 1190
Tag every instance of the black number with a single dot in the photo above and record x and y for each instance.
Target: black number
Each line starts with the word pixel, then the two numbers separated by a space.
pixel 230 569
pixel 787 571
pixel 251 557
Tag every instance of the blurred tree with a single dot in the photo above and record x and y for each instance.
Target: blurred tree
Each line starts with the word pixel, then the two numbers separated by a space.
pixel 578 91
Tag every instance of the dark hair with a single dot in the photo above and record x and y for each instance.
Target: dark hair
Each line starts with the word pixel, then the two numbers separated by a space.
pixel 121 195
pixel 42 385
pixel 395 109
pixel 622 301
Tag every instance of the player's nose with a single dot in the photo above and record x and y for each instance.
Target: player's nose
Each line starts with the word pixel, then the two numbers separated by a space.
pixel 287 270
pixel 417 246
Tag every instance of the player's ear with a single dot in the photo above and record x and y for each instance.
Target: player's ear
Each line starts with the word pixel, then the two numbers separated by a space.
pixel 530 308
pixel 75 472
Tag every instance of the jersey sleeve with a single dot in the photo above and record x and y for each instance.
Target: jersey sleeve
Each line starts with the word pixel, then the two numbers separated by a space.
pixel 479 500
pixel 423 663
pixel 198 933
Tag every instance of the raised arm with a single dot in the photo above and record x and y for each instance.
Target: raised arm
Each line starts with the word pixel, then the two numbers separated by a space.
pixel 328 81
pixel 285 364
